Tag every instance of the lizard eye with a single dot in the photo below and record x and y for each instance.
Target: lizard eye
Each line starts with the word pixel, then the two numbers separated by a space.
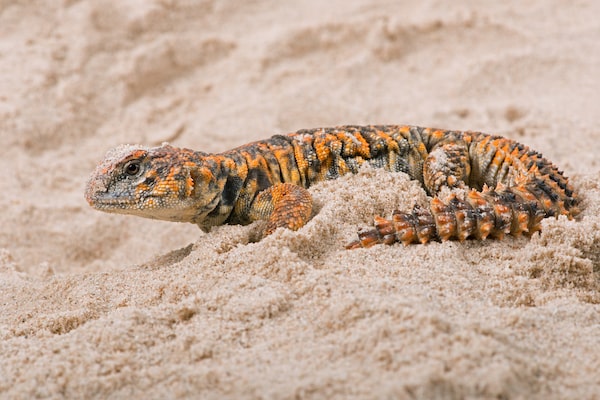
pixel 132 168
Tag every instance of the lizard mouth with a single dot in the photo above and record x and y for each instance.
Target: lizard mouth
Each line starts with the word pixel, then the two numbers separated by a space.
pixel 98 197
pixel 102 201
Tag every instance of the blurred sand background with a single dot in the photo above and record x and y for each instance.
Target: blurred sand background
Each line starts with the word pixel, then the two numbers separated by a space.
pixel 94 305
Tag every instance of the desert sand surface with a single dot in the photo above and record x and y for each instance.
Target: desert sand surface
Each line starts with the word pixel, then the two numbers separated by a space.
pixel 94 305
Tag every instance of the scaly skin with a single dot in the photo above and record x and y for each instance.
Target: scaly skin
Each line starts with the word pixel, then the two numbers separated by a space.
pixel 506 187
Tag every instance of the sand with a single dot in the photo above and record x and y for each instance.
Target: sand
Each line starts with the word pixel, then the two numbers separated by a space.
pixel 106 306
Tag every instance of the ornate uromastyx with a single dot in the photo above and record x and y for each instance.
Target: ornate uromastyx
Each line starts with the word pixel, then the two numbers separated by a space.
pixel 509 188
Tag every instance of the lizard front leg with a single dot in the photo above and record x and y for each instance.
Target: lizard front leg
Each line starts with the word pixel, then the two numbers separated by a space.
pixel 282 205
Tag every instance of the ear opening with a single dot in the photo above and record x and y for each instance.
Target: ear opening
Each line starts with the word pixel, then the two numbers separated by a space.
pixel 189 183
pixel 193 183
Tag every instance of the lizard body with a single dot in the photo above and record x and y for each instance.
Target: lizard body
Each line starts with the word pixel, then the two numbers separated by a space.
pixel 508 188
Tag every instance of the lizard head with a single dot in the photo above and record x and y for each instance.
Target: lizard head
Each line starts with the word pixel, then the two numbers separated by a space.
pixel 165 182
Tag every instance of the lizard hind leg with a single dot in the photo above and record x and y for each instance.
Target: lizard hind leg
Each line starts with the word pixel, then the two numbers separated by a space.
pixel 449 216
pixel 283 205
pixel 446 166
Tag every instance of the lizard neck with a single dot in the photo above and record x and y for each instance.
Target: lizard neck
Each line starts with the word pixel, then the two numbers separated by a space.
pixel 218 182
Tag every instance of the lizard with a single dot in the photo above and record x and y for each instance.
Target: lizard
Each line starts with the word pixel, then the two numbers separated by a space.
pixel 497 185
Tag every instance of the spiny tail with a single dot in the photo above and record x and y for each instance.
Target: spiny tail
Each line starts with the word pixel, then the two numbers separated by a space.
pixel 493 213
